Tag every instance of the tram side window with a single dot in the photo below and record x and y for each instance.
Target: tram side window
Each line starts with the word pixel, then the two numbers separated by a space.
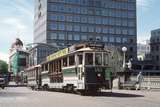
pixel 80 57
pixel 98 59
pixel 71 60
pixel 89 58
pixel 106 59
pixel 65 62
pixel 46 67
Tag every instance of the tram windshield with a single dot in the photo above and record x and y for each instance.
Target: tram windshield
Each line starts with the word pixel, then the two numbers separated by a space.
pixel 98 58
pixel 106 59
pixel 80 58
pixel 89 58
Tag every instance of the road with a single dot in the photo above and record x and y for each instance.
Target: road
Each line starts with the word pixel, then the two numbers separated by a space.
pixel 25 97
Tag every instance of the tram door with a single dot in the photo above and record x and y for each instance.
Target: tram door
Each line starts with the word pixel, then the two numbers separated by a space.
pixel 79 66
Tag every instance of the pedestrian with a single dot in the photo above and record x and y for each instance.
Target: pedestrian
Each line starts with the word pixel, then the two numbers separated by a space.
pixel 139 80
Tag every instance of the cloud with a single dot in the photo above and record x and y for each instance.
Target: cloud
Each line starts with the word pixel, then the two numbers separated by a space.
pixel 14 23
pixel 24 6
pixel 145 4
pixel 4 57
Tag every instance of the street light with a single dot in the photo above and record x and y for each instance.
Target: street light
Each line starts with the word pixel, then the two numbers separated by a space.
pixel 124 50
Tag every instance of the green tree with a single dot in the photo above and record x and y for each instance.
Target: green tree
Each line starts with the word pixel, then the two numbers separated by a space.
pixel 3 67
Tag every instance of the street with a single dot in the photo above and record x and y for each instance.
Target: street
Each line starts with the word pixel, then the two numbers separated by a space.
pixel 25 97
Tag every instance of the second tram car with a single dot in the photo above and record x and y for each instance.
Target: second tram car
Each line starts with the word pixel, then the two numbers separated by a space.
pixel 33 76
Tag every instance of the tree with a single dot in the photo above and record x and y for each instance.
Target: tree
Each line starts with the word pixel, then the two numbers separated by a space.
pixel 3 67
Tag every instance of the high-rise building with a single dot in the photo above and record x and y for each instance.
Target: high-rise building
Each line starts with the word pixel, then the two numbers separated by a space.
pixel 155 45
pixel 65 22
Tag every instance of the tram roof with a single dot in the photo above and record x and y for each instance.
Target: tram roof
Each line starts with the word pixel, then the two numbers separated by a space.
pixel 83 47
pixel 32 67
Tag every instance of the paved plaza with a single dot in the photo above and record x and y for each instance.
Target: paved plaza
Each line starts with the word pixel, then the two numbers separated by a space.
pixel 25 97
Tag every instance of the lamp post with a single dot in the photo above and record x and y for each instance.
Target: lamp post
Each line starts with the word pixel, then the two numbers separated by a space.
pixel 124 50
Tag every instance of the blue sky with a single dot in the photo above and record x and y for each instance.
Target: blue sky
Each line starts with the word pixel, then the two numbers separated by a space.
pixel 16 20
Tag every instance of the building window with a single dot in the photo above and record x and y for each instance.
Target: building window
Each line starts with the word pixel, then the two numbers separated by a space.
pixel 118 31
pixel 131 49
pixel 98 29
pixel 132 32
pixel 61 18
pixel 91 20
pixel 98 21
pixel 131 40
pixel 111 30
pixel 53 26
pixel 124 40
pixel 69 18
pixel 53 17
pixel 69 27
pixel 83 11
pixel 131 14
pixel 91 29
pixel 61 26
pixel 70 37
pixel 98 38
pixel 83 37
pixel 105 21
pixel 77 10
pixel 131 24
pixel 118 39
pixel 124 22
pixel 124 31
pixel 157 48
pixel 61 36
pixel 76 37
pixel 90 38
pixel 76 18
pixel 157 58
pixel 84 28
pixel 70 10
pixel 84 19
pixel 111 39
pixel 105 39
pixel 105 30
pixel 52 35
pixel 76 28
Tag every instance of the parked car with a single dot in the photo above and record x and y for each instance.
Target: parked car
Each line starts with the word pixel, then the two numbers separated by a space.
pixel 2 82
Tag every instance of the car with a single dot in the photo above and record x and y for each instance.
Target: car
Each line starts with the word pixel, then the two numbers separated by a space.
pixel 2 82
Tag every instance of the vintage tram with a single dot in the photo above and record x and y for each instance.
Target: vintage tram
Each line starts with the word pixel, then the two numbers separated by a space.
pixel 32 74
pixel 81 67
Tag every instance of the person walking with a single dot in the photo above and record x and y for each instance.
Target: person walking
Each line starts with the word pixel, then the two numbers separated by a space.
pixel 139 80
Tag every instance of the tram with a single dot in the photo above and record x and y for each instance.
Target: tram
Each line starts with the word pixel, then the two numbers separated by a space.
pixel 81 67
pixel 32 74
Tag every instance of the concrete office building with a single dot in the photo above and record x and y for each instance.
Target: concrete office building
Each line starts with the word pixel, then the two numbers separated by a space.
pixel 65 22
pixel 155 45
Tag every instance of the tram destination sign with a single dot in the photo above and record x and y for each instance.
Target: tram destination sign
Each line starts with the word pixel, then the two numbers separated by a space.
pixel 58 54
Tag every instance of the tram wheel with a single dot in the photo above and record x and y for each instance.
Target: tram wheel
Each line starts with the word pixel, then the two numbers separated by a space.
pixel 45 87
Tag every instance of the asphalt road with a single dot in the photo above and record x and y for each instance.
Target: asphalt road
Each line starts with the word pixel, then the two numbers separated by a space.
pixel 25 97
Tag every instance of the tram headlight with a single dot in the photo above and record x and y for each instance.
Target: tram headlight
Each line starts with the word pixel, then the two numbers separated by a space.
pixel 98 75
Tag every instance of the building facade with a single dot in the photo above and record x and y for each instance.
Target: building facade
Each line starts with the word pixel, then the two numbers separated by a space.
pixel 38 54
pixel 18 58
pixel 143 50
pixel 66 22
pixel 155 45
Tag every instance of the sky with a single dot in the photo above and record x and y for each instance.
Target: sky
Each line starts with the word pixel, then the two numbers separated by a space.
pixel 16 20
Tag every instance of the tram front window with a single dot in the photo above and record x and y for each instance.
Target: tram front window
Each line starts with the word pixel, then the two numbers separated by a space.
pixel 98 58
pixel 80 57
pixel 89 58
pixel 106 59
